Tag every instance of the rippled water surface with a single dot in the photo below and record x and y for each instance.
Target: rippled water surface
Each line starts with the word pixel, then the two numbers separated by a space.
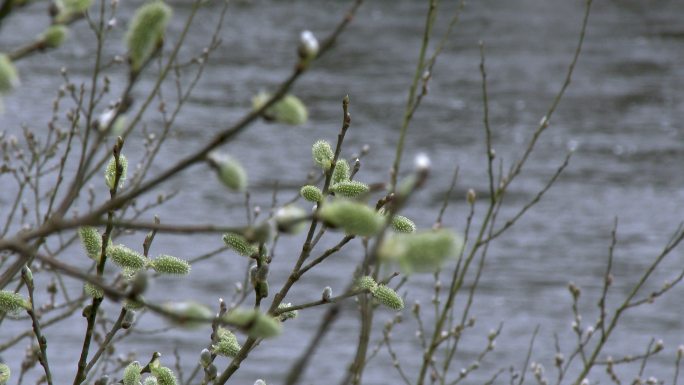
pixel 623 113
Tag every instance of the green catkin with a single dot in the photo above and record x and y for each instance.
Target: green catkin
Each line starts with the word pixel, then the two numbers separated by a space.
pixel 92 241
pixel 341 172
pixel 288 314
pixel 164 375
pixel 355 218
pixel 311 193
pixel 146 32
pixel 322 154
pixel 54 35
pixel 92 290
pixel 131 374
pixel 227 344
pixel 150 380
pixel 9 79
pixel 211 371
pixel 5 374
pixel 12 303
pixel 239 244
pixel 166 264
pixel 423 251
pixel 388 297
pixel 110 172
pixel 289 219
pixel 126 258
pixel 288 110
pixel 132 305
pixel 366 283
pixel 401 224
pixel 350 189
pixel 258 324
pixel 232 175
pixel 189 314
pixel 77 6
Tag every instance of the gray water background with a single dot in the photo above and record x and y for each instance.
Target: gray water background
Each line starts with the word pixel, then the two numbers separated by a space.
pixel 623 113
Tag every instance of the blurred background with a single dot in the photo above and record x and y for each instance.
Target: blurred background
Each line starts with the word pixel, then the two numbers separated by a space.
pixel 623 114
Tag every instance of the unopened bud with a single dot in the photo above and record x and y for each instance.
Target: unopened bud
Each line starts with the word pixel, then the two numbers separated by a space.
pixel 471 196
pixel 308 45
pixel 205 358
pixel 327 293
pixel 128 320
pixel 212 371
pixel 422 162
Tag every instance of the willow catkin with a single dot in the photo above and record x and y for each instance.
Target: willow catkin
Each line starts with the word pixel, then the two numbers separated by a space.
pixel 146 31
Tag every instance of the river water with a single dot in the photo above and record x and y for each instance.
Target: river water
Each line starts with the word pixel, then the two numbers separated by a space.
pixel 623 114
